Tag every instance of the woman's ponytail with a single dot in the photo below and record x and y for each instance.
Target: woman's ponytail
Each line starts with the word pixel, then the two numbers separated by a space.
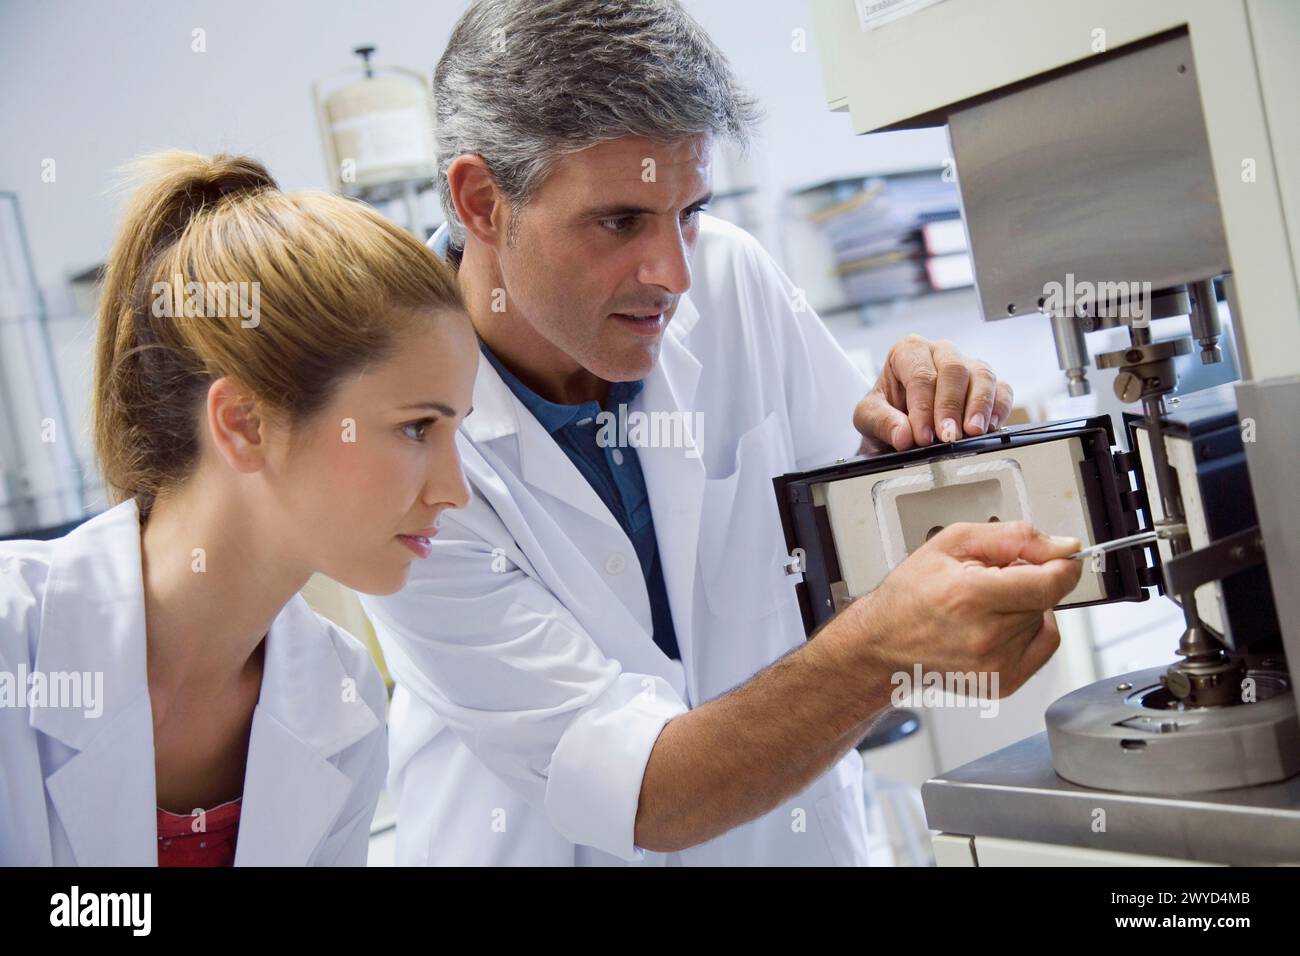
pixel 295 291
pixel 145 386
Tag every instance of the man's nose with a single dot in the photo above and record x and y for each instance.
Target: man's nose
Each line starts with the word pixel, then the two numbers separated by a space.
pixel 667 263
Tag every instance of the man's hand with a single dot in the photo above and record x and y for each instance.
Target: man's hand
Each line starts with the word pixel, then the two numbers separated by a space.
pixel 975 597
pixel 929 389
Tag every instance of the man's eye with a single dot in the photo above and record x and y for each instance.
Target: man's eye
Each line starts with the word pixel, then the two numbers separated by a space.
pixel 415 430
pixel 618 224
pixel 622 224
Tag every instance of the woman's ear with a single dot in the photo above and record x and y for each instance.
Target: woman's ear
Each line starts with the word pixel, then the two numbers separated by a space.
pixel 235 425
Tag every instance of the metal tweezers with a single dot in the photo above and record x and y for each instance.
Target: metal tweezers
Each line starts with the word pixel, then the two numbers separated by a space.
pixel 1142 537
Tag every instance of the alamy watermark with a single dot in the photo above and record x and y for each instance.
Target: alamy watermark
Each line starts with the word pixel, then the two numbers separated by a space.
pixel 212 300
pixel 657 429
pixel 1108 300
pixel 65 690
pixel 129 910
pixel 946 689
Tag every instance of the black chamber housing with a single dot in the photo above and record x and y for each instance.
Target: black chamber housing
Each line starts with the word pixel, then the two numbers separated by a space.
pixel 1114 508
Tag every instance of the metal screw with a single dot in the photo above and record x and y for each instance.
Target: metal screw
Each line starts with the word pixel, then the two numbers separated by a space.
pixel 1128 387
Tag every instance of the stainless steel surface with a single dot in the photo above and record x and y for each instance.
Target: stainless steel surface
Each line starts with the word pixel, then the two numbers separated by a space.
pixel 1146 353
pixel 1146 371
pixel 1015 793
pixel 1165 303
pixel 1206 327
pixel 1141 740
pixel 1071 353
pixel 1101 173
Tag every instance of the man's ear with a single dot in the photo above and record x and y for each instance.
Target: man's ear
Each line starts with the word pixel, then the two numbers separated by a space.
pixel 235 425
pixel 478 199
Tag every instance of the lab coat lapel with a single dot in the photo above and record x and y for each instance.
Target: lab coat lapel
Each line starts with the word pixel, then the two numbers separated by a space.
pixel 675 476
pixel 104 796
pixel 542 463
pixel 307 712
pixel 535 458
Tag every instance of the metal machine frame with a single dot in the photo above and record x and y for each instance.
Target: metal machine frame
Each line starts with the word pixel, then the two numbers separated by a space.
pixel 1158 138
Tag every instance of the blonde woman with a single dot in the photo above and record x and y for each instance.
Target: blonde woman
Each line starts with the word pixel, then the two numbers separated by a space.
pixel 279 378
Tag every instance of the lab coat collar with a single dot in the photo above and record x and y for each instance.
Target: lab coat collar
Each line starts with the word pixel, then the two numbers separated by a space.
pixel 93 621
pixel 675 479
pixel 675 483
pixel 498 413
pixel 105 796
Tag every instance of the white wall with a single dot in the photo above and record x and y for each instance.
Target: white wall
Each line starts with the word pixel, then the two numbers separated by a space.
pixel 91 84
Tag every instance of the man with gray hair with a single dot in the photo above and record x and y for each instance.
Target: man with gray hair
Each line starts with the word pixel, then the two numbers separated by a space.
pixel 602 658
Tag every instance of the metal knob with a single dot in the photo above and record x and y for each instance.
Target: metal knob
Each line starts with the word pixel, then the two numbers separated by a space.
pixel 1128 387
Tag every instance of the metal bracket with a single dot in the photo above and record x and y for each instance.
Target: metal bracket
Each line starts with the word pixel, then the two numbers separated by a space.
pixel 1216 561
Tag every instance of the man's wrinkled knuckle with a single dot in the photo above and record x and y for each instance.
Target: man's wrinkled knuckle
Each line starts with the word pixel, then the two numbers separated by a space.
pixel 952 368
pixel 925 377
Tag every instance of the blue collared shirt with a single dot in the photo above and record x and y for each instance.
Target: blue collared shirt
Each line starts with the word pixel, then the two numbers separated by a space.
pixel 612 470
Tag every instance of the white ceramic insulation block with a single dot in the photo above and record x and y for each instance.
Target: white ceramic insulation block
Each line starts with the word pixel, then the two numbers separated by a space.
pixel 1182 458
pixel 878 520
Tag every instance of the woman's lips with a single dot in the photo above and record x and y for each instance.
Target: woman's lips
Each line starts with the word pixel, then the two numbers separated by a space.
pixel 420 543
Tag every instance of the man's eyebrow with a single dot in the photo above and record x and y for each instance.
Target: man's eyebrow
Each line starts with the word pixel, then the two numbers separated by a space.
pixel 438 407
pixel 612 212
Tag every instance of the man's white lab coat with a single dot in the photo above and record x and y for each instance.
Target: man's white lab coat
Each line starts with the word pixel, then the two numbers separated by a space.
pixel 530 692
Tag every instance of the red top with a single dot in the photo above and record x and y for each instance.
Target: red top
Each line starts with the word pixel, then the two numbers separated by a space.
pixel 181 842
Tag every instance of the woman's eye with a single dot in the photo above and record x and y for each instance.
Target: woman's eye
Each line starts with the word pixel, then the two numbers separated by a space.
pixel 415 430
pixel 693 213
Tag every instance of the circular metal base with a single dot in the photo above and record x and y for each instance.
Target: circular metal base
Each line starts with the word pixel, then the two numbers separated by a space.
pixel 1130 734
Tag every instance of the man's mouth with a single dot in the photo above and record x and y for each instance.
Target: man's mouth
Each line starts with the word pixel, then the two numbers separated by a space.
pixel 640 322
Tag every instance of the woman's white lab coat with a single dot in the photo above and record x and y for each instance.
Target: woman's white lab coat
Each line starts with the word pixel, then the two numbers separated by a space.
pixel 530 692
pixel 77 788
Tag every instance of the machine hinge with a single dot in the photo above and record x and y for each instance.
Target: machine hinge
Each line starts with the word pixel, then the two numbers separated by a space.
pixel 1132 494
pixel 1150 577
